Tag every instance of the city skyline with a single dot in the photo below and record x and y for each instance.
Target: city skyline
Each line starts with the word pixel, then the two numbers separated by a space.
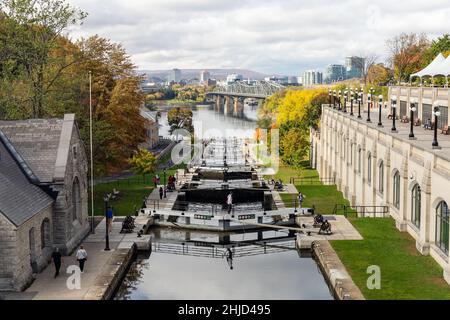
pixel 268 42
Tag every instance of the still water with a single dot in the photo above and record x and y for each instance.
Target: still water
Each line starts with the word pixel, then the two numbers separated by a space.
pixel 208 122
pixel 197 268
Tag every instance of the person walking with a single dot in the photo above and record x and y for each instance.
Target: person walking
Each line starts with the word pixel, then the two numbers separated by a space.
pixel 161 193
pixel 229 255
pixel 56 257
pixel 300 199
pixel 230 202
pixel 81 257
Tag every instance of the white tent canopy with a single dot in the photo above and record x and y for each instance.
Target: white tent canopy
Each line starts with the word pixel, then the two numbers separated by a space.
pixel 445 67
pixel 434 68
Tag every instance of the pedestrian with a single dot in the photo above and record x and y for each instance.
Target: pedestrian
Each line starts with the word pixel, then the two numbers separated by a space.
pixel 81 257
pixel 230 201
pixel 229 255
pixel 161 192
pixel 56 257
pixel 155 182
pixel 300 199
pixel 158 179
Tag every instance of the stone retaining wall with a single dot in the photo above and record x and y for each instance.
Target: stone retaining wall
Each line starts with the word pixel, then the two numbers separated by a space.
pixel 335 273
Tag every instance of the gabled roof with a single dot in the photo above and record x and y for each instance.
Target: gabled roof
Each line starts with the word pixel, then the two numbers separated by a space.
pixel 41 142
pixel 20 198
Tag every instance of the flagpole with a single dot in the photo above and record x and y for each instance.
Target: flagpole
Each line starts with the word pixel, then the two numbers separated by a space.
pixel 92 155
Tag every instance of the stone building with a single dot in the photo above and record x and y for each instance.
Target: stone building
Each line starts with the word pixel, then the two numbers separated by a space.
pixel 374 166
pixel 43 195
pixel 152 129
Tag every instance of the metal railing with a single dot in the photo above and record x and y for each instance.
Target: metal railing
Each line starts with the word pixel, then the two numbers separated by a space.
pixel 312 181
pixel 362 211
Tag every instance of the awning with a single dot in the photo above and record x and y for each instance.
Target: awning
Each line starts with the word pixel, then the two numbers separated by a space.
pixel 433 69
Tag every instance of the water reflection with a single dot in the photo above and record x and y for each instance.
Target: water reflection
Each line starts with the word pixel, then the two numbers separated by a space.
pixel 262 264
pixel 206 119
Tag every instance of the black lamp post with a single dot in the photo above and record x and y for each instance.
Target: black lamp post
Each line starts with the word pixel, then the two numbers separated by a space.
pixel 412 109
pixel 164 173
pixel 334 99
pixel 360 99
pixel 436 114
pixel 369 99
pixel 394 114
pixel 380 104
pixel 345 100
pixel 352 96
pixel 339 100
pixel 330 95
pixel 107 213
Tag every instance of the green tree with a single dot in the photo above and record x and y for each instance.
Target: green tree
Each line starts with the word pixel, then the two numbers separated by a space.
pixel 31 30
pixel 440 45
pixel 143 162
pixel 180 118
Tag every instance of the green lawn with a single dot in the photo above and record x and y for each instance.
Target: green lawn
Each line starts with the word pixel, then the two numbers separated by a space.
pixel 133 190
pixel 405 273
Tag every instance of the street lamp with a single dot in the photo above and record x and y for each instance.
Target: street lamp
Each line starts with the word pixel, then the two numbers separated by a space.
pixel 380 104
pixel 334 99
pixel 330 95
pixel 360 99
pixel 108 213
pixel 394 113
pixel 352 97
pixel 164 172
pixel 339 100
pixel 412 109
pixel 345 100
pixel 436 113
pixel 369 98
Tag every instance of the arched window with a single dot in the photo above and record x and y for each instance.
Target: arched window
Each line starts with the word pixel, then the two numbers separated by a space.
pixel 76 200
pixel 369 168
pixel 416 202
pixel 381 177
pixel 45 233
pixel 359 160
pixel 442 229
pixel 396 194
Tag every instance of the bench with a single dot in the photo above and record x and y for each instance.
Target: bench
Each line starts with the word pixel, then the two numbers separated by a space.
pixel 417 122
pixel 404 119
pixel 445 130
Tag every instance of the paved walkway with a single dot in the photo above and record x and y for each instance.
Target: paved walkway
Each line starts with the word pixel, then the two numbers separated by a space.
pixel 342 229
pixel 424 137
pixel 101 269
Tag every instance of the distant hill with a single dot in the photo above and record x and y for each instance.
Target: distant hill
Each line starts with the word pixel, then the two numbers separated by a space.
pixel 218 74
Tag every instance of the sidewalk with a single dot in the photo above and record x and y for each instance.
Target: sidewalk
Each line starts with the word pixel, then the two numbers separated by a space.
pixel 103 269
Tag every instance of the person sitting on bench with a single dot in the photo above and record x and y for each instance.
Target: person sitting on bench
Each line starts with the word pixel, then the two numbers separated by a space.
pixel 325 227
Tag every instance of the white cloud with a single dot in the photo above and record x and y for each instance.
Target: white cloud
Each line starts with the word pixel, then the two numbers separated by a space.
pixel 286 36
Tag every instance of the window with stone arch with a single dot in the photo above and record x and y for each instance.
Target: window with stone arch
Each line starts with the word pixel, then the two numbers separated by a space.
pixel 396 190
pixel 442 228
pixel 416 202
pixel 381 177
pixel 76 200
pixel 45 234
pixel 369 168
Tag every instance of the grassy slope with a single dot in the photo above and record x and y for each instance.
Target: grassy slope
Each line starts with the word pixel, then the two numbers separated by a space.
pixel 405 273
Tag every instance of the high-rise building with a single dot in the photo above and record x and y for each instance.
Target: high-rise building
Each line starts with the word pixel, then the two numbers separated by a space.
pixel 335 72
pixel 354 67
pixel 234 77
pixel 312 77
pixel 204 76
pixel 175 76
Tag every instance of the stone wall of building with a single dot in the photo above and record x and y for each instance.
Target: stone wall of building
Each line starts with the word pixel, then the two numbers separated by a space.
pixel 17 262
pixel 72 225
pixel 342 148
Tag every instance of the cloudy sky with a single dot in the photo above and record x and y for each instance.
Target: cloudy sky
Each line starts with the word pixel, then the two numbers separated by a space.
pixel 280 37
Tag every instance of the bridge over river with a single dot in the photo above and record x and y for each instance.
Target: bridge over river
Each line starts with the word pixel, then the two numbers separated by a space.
pixel 229 99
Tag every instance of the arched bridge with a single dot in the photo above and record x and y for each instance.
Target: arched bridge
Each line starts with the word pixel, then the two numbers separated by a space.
pixel 258 90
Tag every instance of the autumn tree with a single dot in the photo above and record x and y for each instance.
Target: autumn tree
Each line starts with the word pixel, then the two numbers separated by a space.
pixel 30 32
pixel 143 162
pixel 180 118
pixel 407 54
pixel 378 74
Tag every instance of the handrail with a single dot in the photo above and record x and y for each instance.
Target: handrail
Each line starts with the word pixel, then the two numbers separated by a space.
pixel 312 181
pixel 362 211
